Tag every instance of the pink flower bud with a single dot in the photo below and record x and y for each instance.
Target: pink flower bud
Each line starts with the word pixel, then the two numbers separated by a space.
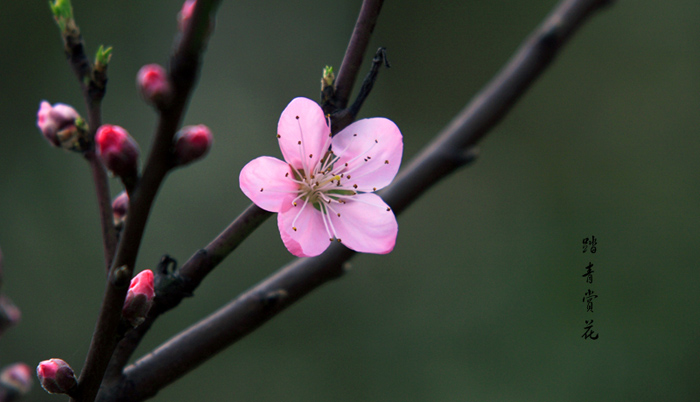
pixel 192 143
pixel 9 314
pixel 56 376
pixel 119 152
pixel 120 205
pixel 139 298
pixel 57 123
pixel 153 83
pixel 185 14
pixel 17 377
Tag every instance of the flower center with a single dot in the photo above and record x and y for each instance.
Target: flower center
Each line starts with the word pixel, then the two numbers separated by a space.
pixel 323 185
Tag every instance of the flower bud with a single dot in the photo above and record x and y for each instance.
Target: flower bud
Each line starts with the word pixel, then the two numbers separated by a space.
pixel 9 314
pixel 119 152
pixel 61 125
pixel 16 378
pixel 139 298
pixel 56 376
pixel 185 14
pixel 120 205
pixel 192 143
pixel 153 84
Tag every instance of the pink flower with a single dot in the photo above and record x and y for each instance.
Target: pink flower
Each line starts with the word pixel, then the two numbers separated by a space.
pixel 139 298
pixel 57 123
pixel 323 189
pixel 192 143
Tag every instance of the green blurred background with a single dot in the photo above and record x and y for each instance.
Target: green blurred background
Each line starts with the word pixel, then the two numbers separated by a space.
pixel 481 299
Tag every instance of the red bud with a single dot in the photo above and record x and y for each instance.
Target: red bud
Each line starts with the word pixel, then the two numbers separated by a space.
pixel 139 298
pixel 119 152
pixel 153 83
pixel 192 143
pixel 56 376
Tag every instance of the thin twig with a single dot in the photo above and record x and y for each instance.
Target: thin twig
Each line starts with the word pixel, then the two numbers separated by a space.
pixel 184 66
pixel 342 118
pixel 109 232
pixel 172 287
pixel 92 85
pixel 355 52
pixel 450 150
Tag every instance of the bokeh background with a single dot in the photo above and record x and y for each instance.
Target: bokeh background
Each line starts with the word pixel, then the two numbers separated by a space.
pixel 482 298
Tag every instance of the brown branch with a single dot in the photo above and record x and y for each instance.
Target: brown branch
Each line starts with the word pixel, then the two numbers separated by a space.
pixel 190 275
pixel 449 151
pixel 172 287
pixel 352 62
pixel 184 66
pixel 92 85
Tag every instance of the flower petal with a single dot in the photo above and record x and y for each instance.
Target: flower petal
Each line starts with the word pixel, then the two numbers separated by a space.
pixel 366 224
pixel 310 237
pixel 303 133
pixel 267 182
pixel 372 148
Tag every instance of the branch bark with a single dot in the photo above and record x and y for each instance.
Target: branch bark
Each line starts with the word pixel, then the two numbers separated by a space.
pixel 452 148
pixel 178 285
pixel 355 52
pixel 93 85
pixel 184 66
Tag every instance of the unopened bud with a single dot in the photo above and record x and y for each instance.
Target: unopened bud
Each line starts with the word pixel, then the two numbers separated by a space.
pixel 328 78
pixel 62 126
pixel 185 14
pixel 9 314
pixel 139 298
pixel 192 143
pixel 153 84
pixel 63 14
pixel 17 379
pixel 120 205
pixel 56 376
pixel 119 152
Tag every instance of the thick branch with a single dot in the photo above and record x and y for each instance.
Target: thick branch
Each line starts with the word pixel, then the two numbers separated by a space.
pixel 244 315
pixel 184 66
pixel 450 150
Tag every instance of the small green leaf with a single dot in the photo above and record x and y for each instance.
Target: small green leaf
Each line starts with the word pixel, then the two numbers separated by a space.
pixel 328 77
pixel 103 57
pixel 62 12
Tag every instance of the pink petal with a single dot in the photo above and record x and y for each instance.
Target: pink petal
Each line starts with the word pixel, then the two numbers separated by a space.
pixel 267 182
pixel 303 121
pixel 311 238
pixel 366 224
pixel 372 148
